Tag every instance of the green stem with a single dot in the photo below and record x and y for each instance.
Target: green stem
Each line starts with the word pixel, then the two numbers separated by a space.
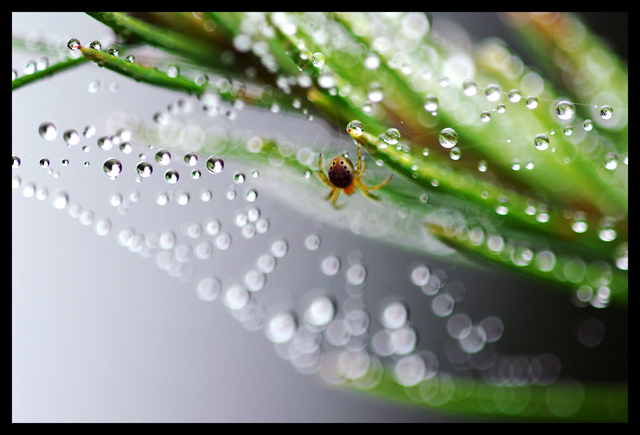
pixel 47 72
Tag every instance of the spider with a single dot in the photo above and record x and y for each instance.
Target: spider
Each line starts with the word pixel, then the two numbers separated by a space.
pixel 343 176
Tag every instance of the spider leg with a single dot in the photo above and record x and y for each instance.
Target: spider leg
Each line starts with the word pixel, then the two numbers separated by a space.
pixel 360 173
pixel 360 170
pixel 365 192
pixel 335 194
pixel 322 175
pixel 381 185
pixel 330 194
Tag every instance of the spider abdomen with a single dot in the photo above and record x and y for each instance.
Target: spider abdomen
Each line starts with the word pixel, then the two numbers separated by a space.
pixel 341 172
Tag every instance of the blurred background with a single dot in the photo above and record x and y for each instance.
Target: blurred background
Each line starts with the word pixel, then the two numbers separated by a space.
pixel 105 330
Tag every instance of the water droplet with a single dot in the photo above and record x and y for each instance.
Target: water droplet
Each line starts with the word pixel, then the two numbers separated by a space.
pixel 215 164
pixel 171 176
pixel 15 162
pixel 420 275
pixel 60 200
pixel 606 112
pixel 355 128
pixel 565 110
pixel 501 108
pixel 95 45
pixel 44 162
pixel 113 51
pixel 448 137
pixel 144 169
pixel 394 315
pixel 606 233
pixel 279 248
pixel 375 92
pixel 330 265
pixel 321 311
pixel 611 161
pixel 431 103
pixel 239 178
pixel 392 136
pixel 588 125
pixel 514 96
pixel 71 137
pixel 48 130
pixel 312 242
pixel 356 274
pixel 482 166
pixel 112 168
pixel 251 195
pixel 541 141
pixel 470 88
pixel 455 153
pixel 105 143
pixel 318 60
pixel 130 58
pixel 492 92
pixel 208 289
pixel 103 227
pixel 89 131
pixel 442 305
pixel 568 130
pixel 531 102
pixel 73 44
pixel 281 328
pixel 579 224
pixel 163 157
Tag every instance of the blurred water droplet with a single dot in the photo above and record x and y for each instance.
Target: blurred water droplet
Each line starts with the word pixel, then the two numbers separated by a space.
pixel 215 165
pixel 606 112
pixel 541 141
pixel 565 110
pixel 448 138
pixel 112 168
pixel 48 130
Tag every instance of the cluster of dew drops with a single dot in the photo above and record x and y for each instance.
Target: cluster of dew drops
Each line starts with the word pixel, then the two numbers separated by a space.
pixel 396 338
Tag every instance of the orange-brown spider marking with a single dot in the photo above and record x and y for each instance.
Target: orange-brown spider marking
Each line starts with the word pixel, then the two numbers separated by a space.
pixel 343 176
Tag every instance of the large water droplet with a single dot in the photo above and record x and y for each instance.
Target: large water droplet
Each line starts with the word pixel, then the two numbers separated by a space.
pixel 48 130
pixel 492 92
pixel 105 143
pixel 163 157
pixel 191 159
pixel 565 110
pixel 531 102
pixel 514 96
pixel 112 168
pixel 376 93
pixel 144 169
pixel 611 161
pixel 355 128
pixel 71 137
pixel 60 200
pixel 541 142
pixel 318 60
pixel 431 103
pixel 448 137
pixel 215 165
pixel 470 88
pixel 606 112
pixel 455 153
pixel 171 176
pixel 95 45
pixel 73 44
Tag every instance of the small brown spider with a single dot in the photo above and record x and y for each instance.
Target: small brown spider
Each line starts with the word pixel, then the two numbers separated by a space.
pixel 343 176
